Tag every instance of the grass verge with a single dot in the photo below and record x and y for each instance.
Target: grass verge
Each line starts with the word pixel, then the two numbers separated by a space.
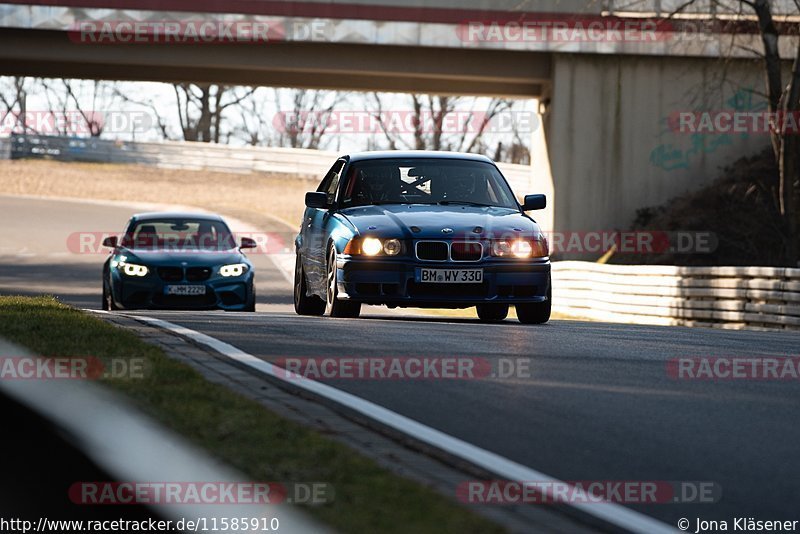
pixel 240 431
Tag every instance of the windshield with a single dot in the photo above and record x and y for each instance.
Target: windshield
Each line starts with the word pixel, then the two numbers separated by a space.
pixel 425 181
pixel 179 234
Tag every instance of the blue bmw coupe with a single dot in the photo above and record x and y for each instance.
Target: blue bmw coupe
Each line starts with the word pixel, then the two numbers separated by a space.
pixel 180 261
pixel 421 229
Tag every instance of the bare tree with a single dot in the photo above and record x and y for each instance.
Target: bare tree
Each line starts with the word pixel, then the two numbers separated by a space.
pixel 307 120
pixel 161 122
pixel 78 106
pixel 437 122
pixel 201 109
pixel 294 118
pixel 783 97
pixel 13 97
pixel 253 126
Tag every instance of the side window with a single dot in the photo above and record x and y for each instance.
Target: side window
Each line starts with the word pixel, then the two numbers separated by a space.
pixel 330 183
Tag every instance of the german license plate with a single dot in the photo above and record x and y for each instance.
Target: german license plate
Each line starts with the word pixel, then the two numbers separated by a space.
pixel 451 276
pixel 186 290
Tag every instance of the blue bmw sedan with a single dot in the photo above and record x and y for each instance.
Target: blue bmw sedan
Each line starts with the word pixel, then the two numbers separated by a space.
pixel 421 229
pixel 178 261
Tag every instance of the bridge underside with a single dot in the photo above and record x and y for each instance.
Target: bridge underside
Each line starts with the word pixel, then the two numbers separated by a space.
pixel 285 64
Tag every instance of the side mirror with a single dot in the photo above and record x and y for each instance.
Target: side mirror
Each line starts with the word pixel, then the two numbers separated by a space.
pixel 315 199
pixel 110 242
pixel 248 243
pixel 534 202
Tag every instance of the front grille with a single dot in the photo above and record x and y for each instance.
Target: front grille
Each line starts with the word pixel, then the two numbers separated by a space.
pixel 466 251
pixel 170 274
pixel 432 250
pixel 198 274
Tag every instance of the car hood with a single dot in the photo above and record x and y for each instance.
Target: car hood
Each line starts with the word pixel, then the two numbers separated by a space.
pixel 396 220
pixel 192 258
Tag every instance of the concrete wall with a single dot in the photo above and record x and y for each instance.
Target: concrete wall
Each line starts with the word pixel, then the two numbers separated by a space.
pixel 611 148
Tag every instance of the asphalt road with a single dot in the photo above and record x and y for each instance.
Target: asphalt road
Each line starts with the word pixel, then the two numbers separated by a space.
pixel 599 404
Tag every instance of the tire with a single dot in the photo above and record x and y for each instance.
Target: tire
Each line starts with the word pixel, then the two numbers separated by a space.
pixel 335 307
pixel 251 301
pixel 492 313
pixel 536 312
pixel 108 301
pixel 304 304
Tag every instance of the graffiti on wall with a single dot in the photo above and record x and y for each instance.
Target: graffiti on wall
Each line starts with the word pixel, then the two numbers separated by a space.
pixel 672 156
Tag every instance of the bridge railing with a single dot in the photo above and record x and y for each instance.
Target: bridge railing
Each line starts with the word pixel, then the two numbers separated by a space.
pixel 723 297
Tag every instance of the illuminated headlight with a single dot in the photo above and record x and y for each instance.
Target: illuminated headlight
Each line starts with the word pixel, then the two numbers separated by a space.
pixel 371 246
pixel 519 248
pixel 234 269
pixel 132 269
pixel 392 247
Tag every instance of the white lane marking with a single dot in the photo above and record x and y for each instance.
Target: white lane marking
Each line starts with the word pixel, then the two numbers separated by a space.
pixel 611 513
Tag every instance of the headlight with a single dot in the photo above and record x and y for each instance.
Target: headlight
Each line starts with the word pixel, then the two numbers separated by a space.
pixel 392 247
pixel 132 269
pixel 234 269
pixel 519 248
pixel 371 246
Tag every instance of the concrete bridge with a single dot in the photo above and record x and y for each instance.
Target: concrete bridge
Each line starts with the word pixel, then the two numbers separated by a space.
pixel 609 79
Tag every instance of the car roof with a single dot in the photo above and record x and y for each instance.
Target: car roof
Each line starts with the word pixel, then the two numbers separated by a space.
pixel 153 215
pixel 414 154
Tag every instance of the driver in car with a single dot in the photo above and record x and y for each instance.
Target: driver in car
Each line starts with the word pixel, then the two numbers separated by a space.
pixel 464 188
pixel 382 185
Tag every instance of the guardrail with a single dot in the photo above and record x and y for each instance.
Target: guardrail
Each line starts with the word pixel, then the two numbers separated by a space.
pixel 173 154
pixel 723 297
pixel 187 155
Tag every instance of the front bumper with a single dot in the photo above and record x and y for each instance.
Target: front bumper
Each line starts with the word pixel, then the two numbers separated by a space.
pixel 232 294
pixel 395 282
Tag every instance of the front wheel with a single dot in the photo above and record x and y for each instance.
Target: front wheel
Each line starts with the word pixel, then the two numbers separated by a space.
pixel 303 303
pixel 492 313
pixel 251 300
pixel 536 312
pixel 335 307
pixel 108 299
